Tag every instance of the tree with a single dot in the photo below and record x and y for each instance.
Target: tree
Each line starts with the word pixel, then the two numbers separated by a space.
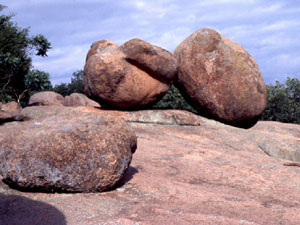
pixel 74 87
pixel 173 100
pixel 62 89
pixel 283 102
pixel 15 62
pixel 76 82
pixel 36 81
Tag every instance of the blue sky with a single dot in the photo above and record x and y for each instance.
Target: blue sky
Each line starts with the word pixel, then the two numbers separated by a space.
pixel 268 30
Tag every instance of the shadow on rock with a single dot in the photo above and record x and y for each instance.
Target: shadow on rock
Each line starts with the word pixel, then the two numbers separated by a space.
pixel 128 175
pixel 16 210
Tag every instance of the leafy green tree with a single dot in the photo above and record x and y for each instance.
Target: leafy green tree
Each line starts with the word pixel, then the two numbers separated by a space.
pixel 173 100
pixel 37 80
pixel 62 89
pixel 283 102
pixel 15 62
pixel 74 87
pixel 76 82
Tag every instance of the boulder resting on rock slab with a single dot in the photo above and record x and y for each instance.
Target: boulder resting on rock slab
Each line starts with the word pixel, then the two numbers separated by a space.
pixel 46 98
pixel 69 151
pixel 78 99
pixel 220 79
pixel 9 111
pixel 133 75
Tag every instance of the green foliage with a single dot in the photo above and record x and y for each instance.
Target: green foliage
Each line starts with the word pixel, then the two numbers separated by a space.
pixel 41 44
pixel 173 100
pixel 74 87
pixel 283 102
pixel 37 80
pixel 15 60
pixel 62 89
pixel 76 82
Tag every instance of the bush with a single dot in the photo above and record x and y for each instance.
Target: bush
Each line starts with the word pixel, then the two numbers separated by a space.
pixel 283 102
pixel 174 100
pixel 74 87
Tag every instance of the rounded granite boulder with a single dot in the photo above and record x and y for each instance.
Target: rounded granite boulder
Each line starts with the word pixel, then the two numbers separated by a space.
pixel 69 150
pixel 78 99
pixel 220 78
pixel 129 76
pixel 46 98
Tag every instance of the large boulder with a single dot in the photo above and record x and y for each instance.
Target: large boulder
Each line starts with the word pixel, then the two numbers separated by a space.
pixel 78 99
pixel 132 75
pixel 84 152
pixel 220 78
pixel 9 111
pixel 46 98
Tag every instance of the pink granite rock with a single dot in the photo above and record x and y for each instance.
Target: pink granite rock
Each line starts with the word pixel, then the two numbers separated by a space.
pixel 46 98
pixel 78 99
pixel 220 78
pixel 9 111
pixel 65 150
pixel 133 75
pixel 202 174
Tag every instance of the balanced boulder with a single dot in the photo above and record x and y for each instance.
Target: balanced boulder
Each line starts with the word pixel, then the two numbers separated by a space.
pixel 220 78
pixel 70 150
pixel 132 75
pixel 46 98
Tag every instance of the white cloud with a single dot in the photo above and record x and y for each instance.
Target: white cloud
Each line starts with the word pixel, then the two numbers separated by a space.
pixel 170 39
pixel 268 9
pixel 281 25
pixel 61 61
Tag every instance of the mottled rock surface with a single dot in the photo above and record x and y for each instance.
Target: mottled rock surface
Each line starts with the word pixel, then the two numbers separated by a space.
pixel 78 99
pixel 69 151
pixel 133 75
pixel 158 62
pixel 9 111
pixel 46 98
pixel 206 174
pixel 220 78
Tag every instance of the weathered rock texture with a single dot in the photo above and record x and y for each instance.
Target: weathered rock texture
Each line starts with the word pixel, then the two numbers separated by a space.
pixel 156 61
pixel 132 75
pixel 206 174
pixel 9 111
pixel 46 98
pixel 69 151
pixel 78 99
pixel 50 98
pixel 220 78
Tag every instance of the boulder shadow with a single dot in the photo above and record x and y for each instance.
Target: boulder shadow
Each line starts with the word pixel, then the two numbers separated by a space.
pixel 14 186
pixel 16 210
pixel 128 175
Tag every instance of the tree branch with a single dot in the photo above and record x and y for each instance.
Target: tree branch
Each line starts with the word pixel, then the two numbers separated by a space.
pixel 9 79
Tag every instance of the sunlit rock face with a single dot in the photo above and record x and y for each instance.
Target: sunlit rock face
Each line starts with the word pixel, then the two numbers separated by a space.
pixel 220 78
pixel 132 75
